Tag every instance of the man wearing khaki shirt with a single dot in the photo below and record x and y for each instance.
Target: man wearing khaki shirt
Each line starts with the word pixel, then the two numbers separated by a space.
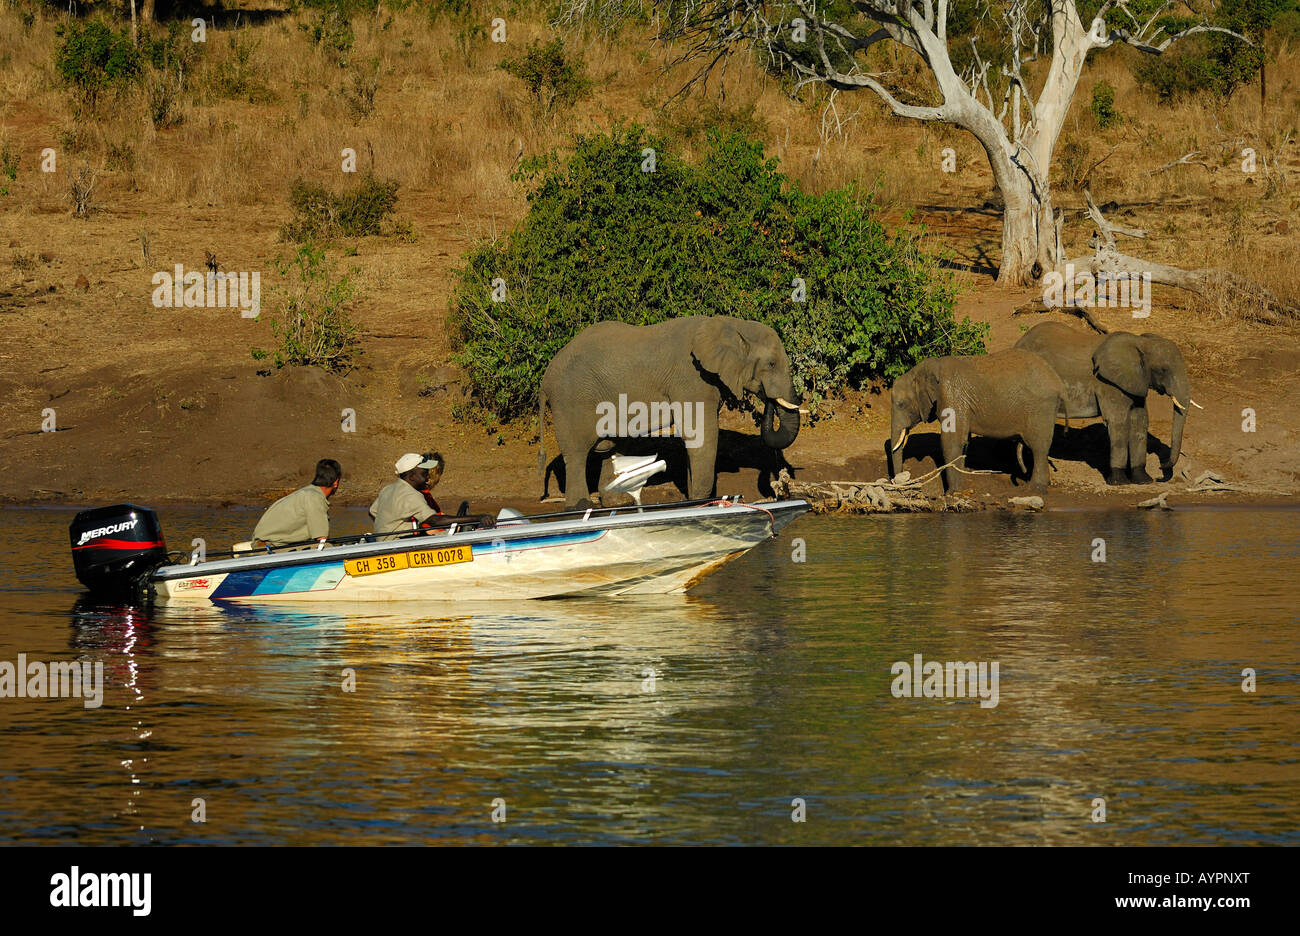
pixel 304 514
pixel 402 502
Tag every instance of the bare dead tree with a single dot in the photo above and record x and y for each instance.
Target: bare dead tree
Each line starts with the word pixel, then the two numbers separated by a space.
pixel 1256 302
pixel 1018 128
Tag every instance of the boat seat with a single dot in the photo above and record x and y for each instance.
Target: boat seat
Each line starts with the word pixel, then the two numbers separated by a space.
pixel 631 472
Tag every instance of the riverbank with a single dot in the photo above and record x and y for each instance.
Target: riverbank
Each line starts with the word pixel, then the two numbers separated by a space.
pixel 150 414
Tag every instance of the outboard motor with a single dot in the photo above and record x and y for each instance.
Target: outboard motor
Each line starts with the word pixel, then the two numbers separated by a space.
pixel 115 549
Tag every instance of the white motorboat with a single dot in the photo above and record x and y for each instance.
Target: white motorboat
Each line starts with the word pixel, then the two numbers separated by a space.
pixel 656 549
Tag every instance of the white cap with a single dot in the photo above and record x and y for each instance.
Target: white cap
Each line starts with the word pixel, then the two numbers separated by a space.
pixel 411 460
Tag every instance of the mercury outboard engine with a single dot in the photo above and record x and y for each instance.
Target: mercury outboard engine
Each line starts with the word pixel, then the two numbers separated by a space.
pixel 115 549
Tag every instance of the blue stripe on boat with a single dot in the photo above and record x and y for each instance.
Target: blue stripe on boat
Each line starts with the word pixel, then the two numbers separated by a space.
pixel 326 575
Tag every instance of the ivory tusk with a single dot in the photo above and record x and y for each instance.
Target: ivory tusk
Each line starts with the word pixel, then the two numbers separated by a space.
pixel 902 437
pixel 1197 405
pixel 786 404
pixel 1177 405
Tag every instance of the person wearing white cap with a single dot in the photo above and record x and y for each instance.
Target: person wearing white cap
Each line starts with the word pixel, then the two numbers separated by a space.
pixel 401 505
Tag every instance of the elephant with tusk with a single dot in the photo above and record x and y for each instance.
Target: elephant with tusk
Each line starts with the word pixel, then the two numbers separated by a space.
pixel 1011 394
pixel 617 380
pixel 1109 376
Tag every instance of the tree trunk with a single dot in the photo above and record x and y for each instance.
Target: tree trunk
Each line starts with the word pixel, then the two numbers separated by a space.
pixel 146 11
pixel 1028 229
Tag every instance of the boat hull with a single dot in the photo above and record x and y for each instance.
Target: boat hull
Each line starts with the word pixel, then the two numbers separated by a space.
pixel 623 553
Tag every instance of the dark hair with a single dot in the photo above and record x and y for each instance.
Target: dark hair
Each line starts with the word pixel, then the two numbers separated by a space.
pixel 327 472
pixel 436 456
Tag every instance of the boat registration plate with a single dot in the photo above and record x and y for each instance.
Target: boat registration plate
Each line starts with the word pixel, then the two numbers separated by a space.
pixel 419 559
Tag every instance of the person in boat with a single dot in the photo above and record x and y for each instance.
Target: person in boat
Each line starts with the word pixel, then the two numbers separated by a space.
pixel 407 503
pixel 304 514
pixel 401 505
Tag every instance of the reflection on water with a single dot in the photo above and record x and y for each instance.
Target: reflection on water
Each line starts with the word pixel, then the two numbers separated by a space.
pixel 695 718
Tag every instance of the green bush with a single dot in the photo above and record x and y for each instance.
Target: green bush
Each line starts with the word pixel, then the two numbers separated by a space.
pixel 1214 62
pixel 604 239
pixel 9 163
pixel 356 212
pixel 93 59
pixel 1103 105
pixel 550 76
pixel 313 326
pixel 1287 25
pixel 331 30
pixel 237 76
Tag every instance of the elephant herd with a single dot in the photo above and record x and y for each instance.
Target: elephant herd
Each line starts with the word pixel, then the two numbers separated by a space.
pixel 695 363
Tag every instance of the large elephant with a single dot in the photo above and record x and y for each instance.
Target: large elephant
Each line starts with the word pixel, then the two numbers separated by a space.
pixel 1109 376
pixel 1011 394
pixel 677 373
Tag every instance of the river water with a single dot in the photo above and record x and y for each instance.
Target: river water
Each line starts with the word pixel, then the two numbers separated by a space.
pixel 722 716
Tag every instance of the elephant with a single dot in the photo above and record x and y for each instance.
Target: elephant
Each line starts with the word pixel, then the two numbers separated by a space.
pixel 1010 394
pixel 671 377
pixel 1109 376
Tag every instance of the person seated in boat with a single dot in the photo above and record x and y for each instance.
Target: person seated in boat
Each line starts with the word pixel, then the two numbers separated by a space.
pixel 407 504
pixel 401 505
pixel 302 515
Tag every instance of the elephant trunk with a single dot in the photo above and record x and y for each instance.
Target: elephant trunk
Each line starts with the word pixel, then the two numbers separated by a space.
pixel 1182 396
pixel 782 435
pixel 1175 441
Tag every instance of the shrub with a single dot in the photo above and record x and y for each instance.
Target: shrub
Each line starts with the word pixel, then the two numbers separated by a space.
pixel 93 58
pixel 359 97
pixel 1103 105
pixel 1073 162
pixel 164 94
pixel 9 163
pixel 331 31
pixel 604 239
pixel 313 326
pixel 1215 62
pixel 356 212
pixel 235 76
pixel 549 75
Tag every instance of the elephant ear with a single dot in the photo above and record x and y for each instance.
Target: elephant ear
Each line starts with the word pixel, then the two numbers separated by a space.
pixel 925 388
pixel 1119 360
pixel 721 349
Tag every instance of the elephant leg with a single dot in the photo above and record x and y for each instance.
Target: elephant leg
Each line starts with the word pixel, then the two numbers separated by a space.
pixel 1039 442
pixel 575 478
pixel 953 444
pixel 702 461
pixel 1115 413
pixel 1137 446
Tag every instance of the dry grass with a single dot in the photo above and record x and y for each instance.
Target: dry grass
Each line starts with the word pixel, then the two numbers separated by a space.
pixel 450 127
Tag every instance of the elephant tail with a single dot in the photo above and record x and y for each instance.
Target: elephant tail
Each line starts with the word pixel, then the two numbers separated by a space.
pixel 1062 412
pixel 541 438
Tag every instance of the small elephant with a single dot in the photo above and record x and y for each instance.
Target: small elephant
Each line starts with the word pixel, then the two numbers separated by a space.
pixel 615 379
pixel 1109 376
pixel 1010 394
